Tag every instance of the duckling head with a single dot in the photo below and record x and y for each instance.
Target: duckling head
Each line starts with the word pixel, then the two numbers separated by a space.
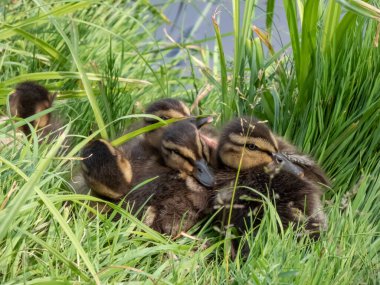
pixel 107 172
pixel 182 150
pixel 249 143
pixel 165 109
pixel 28 99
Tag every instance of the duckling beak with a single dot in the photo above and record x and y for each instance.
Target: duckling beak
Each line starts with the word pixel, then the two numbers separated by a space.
pixel 286 164
pixel 203 173
pixel 200 122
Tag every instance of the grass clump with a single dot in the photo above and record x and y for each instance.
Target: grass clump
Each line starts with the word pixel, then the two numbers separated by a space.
pixel 323 94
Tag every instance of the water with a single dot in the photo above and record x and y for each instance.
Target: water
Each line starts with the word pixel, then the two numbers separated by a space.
pixel 185 16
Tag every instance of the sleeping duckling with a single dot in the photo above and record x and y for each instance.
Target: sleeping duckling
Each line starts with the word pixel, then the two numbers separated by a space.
pixel 309 167
pixel 180 197
pixel 147 146
pixel 177 199
pixel 248 144
pixel 28 99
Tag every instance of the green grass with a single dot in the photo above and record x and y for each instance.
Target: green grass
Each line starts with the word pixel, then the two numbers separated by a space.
pixel 323 94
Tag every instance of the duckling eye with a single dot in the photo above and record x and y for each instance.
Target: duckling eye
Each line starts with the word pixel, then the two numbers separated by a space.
pixel 174 151
pixel 251 146
pixel 164 117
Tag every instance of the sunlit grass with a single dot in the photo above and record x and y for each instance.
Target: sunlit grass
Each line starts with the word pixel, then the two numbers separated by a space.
pixel 323 94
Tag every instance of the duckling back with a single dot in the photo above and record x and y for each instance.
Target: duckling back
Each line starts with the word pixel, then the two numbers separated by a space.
pixel 106 170
pixel 297 201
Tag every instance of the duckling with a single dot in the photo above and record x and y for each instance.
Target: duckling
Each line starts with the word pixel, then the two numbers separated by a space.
pixel 181 197
pixel 309 167
pixel 147 146
pixel 28 99
pixel 248 144
pixel 177 199
pixel 165 109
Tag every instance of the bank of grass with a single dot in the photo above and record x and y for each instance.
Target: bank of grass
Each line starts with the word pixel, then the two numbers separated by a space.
pixel 323 95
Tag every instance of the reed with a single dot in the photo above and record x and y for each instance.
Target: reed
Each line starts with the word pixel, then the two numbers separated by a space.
pixel 321 91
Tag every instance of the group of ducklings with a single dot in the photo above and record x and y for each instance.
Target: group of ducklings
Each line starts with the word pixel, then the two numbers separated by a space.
pixel 194 173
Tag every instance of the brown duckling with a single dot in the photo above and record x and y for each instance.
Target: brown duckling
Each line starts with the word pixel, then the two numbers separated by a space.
pixel 307 164
pixel 28 99
pixel 147 146
pixel 177 199
pixel 165 109
pixel 180 197
pixel 248 144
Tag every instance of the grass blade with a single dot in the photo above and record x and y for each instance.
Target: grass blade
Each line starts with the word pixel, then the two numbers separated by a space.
pixel 227 107
pixel 26 189
pixel 83 74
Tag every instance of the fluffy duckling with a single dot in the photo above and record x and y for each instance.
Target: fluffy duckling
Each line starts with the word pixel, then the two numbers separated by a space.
pixel 165 109
pixel 28 99
pixel 309 167
pixel 248 144
pixel 147 146
pixel 177 199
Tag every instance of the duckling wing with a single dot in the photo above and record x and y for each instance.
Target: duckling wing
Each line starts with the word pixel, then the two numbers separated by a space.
pixel 172 202
pixel 296 200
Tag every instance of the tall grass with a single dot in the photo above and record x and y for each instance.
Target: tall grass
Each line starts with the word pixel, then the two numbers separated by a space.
pixel 321 91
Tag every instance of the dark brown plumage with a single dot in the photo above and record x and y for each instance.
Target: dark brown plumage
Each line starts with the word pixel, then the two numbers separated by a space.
pixel 177 199
pixel 180 197
pixel 248 144
pixel 28 99
pixel 106 170
pixel 147 146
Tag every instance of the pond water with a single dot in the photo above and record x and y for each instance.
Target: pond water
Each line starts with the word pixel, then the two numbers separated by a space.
pixel 191 21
